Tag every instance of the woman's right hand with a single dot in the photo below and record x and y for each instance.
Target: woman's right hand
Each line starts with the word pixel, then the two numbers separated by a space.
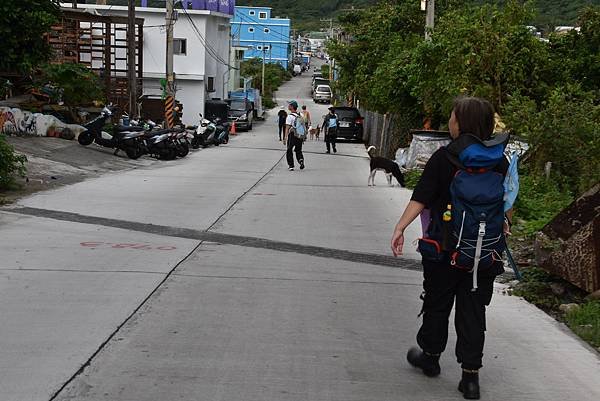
pixel 397 241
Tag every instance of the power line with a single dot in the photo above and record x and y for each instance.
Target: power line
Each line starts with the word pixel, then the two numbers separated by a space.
pixel 209 49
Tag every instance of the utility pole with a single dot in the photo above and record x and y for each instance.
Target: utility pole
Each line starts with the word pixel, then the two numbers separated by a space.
pixel 430 18
pixel 131 67
pixel 169 20
pixel 263 71
pixel 170 87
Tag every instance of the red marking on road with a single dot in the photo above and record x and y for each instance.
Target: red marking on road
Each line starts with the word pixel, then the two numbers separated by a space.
pixel 137 246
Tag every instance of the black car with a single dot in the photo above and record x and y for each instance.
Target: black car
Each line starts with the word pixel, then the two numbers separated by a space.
pixel 350 123
pixel 241 111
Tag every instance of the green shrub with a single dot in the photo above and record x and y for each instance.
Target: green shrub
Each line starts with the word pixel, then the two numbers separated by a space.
pixel 268 102
pixel 539 200
pixel 11 164
pixel 78 83
pixel 275 75
pixel 411 178
pixel 585 322
pixel 562 130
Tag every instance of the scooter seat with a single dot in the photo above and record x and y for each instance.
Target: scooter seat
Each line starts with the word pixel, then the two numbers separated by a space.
pixel 156 132
pixel 130 135
pixel 128 128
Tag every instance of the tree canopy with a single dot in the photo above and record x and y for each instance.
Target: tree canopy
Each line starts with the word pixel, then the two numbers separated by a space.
pixel 540 88
pixel 22 27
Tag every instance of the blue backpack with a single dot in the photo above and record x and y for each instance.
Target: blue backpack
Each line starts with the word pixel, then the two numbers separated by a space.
pixel 477 197
pixel 299 127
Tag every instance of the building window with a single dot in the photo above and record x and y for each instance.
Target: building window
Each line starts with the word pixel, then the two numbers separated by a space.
pixel 262 15
pixel 251 30
pixel 180 46
pixel 252 13
pixel 267 30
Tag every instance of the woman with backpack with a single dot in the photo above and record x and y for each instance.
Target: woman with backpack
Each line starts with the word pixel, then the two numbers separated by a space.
pixel 460 199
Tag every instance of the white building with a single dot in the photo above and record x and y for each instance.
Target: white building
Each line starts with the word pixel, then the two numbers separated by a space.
pixel 202 54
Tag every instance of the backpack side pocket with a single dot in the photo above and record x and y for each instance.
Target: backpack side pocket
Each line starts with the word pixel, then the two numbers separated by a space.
pixel 430 250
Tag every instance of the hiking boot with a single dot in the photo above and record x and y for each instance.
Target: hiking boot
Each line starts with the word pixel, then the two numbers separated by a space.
pixel 334 150
pixel 429 363
pixel 328 152
pixel 301 164
pixel 469 384
pixel 291 168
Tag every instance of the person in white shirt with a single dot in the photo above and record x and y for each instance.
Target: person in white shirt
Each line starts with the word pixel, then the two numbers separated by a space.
pixel 293 143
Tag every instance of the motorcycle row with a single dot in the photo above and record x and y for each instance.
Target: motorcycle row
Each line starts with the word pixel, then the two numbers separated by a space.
pixel 145 138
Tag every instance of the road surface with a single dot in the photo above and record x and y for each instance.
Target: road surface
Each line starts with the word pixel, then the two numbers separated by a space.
pixel 225 277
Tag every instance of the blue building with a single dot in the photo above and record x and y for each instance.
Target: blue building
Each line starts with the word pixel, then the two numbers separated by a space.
pixel 260 35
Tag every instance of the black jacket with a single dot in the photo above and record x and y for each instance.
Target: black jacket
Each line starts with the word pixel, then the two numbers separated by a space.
pixel 282 116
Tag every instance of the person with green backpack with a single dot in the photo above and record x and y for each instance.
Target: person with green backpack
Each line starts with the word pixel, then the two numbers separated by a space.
pixel 294 136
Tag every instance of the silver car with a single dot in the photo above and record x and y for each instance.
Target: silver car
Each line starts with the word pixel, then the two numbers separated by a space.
pixel 322 94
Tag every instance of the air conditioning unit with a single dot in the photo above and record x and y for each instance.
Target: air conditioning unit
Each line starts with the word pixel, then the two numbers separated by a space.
pixel 210 84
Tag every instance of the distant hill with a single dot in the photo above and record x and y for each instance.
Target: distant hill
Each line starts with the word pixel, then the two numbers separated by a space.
pixel 305 14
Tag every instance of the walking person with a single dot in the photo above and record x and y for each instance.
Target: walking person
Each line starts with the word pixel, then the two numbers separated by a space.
pixel 294 135
pixel 454 268
pixel 306 117
pixel 330 126
pixel 281 116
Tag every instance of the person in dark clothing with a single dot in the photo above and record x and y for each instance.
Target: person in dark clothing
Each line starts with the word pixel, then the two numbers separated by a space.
pixel 330 126
pixel 444 284
pixel 282 115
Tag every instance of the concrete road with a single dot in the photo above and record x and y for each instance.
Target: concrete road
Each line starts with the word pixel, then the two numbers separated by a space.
pixel 223 276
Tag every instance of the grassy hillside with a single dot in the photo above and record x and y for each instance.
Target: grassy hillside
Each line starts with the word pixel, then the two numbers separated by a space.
pixel 305 14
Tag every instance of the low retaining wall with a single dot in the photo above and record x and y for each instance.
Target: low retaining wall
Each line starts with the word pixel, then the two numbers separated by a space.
pixel 22 122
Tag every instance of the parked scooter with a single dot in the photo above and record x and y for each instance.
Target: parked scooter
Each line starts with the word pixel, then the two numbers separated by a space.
pixel 131 142
pixel 164 144
pixel 222 132
pixel 181 140
pixel 204 135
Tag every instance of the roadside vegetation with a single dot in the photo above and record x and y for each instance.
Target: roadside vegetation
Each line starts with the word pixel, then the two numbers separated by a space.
pixel 12 165
pixel 545 92
pixel 22 24
pixel 275 75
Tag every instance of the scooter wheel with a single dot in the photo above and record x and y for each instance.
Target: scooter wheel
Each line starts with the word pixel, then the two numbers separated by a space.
pixel 168 154
pixel 85 138
pixel 183 150
pixel 133 152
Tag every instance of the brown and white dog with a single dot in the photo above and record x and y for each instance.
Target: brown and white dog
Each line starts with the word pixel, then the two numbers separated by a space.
pixel 389 167
pixel 313 132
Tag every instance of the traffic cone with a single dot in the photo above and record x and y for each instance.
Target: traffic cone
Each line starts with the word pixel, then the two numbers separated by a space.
pixel 232 129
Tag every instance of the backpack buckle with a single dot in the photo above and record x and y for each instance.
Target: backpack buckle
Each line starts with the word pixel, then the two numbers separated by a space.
pixel 481 228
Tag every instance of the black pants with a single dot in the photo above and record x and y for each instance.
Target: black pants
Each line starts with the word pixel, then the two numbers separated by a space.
pixel 443 284
pixel 330 138
pixel 294 144
pixel 281 127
